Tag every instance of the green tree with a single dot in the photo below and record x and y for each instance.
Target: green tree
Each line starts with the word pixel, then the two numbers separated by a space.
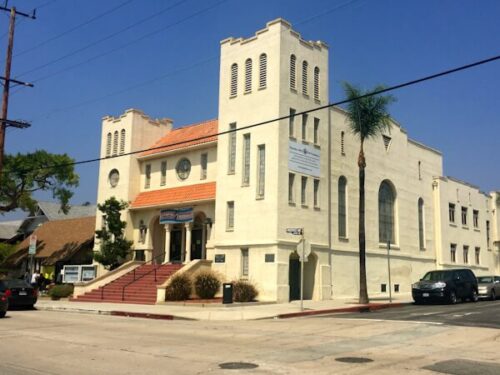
pixel 25 174
pixel 114 246
pixel 368 118
pixel 6 250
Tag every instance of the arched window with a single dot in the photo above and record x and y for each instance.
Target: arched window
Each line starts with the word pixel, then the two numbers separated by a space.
pixel 122 141
pixel 304 77
pixel 316 83
pixel 115 143
pixel 421 230
pixel 234 80
pixel 263 71
pixel 293 61
pixel 386 200
pixel 108 145
pixel 248 75
pixel 342 207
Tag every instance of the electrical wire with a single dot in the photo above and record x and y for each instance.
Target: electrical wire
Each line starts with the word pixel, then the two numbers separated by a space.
pixel 373 93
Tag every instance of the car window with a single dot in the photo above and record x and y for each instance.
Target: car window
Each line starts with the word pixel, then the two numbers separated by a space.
pixel 16 284
pixel 485 279
pixel 497 278
pixel 465 275
pixel 437 276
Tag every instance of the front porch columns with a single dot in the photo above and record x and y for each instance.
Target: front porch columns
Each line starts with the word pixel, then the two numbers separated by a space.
pixel 187 258
pixel 168 227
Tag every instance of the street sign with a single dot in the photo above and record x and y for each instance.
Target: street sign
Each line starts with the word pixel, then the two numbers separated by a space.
pixel 32 248
pixel 295 231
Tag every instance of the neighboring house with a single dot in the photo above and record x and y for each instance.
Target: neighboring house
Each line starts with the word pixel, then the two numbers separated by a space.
pixel 49 211
pixel 59 243
pixel 10 231
pixel 241 190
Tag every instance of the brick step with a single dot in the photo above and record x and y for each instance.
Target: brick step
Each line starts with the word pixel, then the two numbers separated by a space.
pixel 115 301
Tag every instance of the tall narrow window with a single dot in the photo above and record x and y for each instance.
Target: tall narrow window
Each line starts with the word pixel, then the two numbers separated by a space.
pixel 464 215
pixel 244 263
pixel 466 254
pixel 304 127
pixel 122 142
pixel 291 123
pixel 419 170
pixel 248 75
pixel 342 207
pixel 293 63
pixel 421 233
pixel 477 254
pixel 475 218
pixel 316 83
pixel 303 191
pixel 115 143
pixel 262 71
pixel 232 149
pixel 204 165
pixel 230 216
pixel 386 200
pixel 163 179
pixel 147 180
pixel 342 140
pixel 246 159
pixel 261 184
pixel 234 80
pixel 316 131
pixel 488 234
pixel 304 77
pixel 108 145
pixel 316 193
pixel 453 253
pixel 291 188
pixel 451 212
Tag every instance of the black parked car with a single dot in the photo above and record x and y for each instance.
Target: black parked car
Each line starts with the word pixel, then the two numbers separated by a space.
pixel 447 286
pixel 4 305
pixel 19 292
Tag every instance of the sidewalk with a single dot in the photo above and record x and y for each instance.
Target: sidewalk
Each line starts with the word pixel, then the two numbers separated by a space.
pixel 191 311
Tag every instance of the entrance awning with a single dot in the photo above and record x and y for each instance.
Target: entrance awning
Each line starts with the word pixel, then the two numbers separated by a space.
pixel 176 195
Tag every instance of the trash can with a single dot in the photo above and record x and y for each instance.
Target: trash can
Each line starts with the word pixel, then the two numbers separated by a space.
pixel 227 293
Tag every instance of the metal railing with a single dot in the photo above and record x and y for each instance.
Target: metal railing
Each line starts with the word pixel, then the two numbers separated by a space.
pixel 133 273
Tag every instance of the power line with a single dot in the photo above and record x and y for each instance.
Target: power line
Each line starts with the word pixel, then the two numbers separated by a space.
pixel 373 93
pixel 112 10
pixel 109 36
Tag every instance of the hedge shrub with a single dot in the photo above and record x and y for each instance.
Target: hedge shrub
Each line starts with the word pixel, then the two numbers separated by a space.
pixel 61 291
pixel 206 284
pixel 179 289
pixel 244 291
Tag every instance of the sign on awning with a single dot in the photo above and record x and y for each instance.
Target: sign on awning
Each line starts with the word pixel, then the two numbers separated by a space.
pixel 175 216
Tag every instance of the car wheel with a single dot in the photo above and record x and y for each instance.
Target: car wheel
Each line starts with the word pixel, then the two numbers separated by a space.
pixel 474 297
pixel 493 295
pixel 452 298
pixel 2 313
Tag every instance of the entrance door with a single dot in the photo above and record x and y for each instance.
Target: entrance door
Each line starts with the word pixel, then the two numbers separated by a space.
pixel 176 245
pixel 294 277
pixel 197 243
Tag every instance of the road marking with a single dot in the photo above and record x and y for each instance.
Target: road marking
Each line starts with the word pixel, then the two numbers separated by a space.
pixel 429 313
pixel 391 320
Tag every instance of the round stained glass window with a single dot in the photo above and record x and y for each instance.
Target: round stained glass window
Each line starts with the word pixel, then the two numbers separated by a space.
pixel 183 168
pixel 114 177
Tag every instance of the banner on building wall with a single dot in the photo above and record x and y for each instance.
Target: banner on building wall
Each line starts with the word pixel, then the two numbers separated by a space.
pixel 175 216
pixel 304 159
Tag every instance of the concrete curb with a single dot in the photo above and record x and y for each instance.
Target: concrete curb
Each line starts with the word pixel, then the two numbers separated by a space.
pixel 361 308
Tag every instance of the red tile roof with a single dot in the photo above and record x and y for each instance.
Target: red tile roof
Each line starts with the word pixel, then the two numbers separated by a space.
pixel 182 194
pixel 180 138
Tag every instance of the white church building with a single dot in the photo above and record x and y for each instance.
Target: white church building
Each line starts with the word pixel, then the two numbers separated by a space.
pixel 225 192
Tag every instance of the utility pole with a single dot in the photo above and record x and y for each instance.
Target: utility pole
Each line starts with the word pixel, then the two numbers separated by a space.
pixel 7 80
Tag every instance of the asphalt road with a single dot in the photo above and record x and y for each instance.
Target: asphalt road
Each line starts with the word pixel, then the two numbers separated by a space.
pixel 480 314
pixel 61 343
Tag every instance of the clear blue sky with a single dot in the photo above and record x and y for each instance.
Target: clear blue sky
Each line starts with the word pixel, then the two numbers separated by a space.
pixel 371 42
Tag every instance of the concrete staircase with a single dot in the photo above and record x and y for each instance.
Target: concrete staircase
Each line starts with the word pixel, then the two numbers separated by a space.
pixel 140 287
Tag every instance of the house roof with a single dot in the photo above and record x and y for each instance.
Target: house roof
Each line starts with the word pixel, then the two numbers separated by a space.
pixel 57 240
pixel 9 229
pixel 53 211
pixel 182 194
pixel 181 137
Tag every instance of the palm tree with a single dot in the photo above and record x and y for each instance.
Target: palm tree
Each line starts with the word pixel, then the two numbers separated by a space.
pixel 368 118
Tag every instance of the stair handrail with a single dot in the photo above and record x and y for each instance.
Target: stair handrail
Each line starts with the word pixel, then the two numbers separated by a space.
pixel 134 279
pixel 140 277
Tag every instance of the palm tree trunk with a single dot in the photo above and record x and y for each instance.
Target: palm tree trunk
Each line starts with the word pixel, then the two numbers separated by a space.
pixel 363 291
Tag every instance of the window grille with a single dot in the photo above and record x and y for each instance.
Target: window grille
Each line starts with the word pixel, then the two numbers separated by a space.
pixel 293 61
pixel 316 83
pixel 108 145
pixel 234 80
pixel 232 149
pixel 230 215
pixel 262 171
pixel 342 207
pixel 246 159
pixel 263 71
pixel 122 142
pixel 115 143
pixel 248 75
pixel 304 77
